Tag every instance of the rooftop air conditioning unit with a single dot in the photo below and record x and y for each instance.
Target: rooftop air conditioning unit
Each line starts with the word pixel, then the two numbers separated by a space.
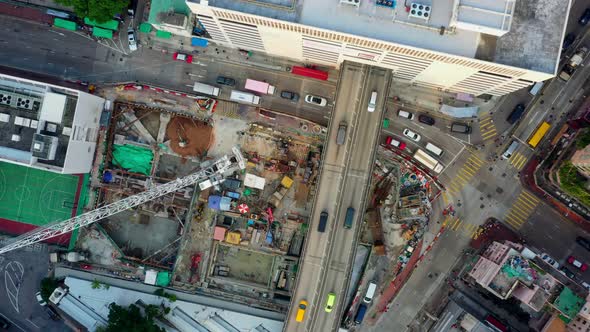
pixel 418 10
pixel 351 2
pixel 22 102
pixel 5 99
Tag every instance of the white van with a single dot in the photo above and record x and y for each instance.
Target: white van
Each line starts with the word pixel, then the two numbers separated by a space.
pixel 434 149
pixel 405 114
pixel 511 148
pixel 372 102
pixel 341 135
pixel 536 88
pixel 370 292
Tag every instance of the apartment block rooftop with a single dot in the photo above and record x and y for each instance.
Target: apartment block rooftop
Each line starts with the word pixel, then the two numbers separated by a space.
pixel 519 33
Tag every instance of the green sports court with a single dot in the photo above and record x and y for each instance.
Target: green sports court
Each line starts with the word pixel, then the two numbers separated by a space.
pixel 36 197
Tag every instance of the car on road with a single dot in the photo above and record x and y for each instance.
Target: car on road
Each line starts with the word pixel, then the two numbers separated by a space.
pixel 564 270
pixel 183 57
pixel 584 242
pixel 323 222
pixel 585 17
pixel 316 100
pixel 226 81
pixel 586 285
pixel 547 259
pixel 289 95
pixel 425 119
pixel 40 299
pixel 393 142
pixel 411 135
pixel 5 324
pixel 330 302
pixel 582 266
pixel 516 113
pixel 458 127
pixel 301 308
pixel 405 114
pixel 372 102
pixel 131 39
pixel 568 41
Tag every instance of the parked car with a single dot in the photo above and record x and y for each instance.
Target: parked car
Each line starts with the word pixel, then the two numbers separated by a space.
pixel 567 272
pixel 51 313
pixel 458 127
pixel 516 113
pixel 425 119
pixel 289 95
pixel 582 266
pixel 183 57
pixel 584 242
pixel 586 285
pixel 411 135
pixel 301 311
pixel 131 39
pixel 549 260
pixel 40 299
pixel 226 81
pixel 568 41
pixel 320 101
pixel 330 302
pixel 393 142
pixel 585 17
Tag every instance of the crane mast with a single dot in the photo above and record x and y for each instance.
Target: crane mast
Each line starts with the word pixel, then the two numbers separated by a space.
pixel 215 172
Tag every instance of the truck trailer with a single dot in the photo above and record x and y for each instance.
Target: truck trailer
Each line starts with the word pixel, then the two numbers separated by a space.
pixel 244 97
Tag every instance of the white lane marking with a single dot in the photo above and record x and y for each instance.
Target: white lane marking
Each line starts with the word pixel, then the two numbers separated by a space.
pixel 13 323
pixel 13 276
pixel 30 321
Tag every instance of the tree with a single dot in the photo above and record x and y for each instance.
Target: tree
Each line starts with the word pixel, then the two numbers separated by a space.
pixel 95 284
pixel 48 285
pixel 97 10
pixel 583 139
pixel 130 319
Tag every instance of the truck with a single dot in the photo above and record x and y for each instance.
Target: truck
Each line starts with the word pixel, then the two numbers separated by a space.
pixel 426 160
pixel 360 314
pixel 72 257
pixel 571 66
pixel 244 97
pixel 260 87
pixel 206 89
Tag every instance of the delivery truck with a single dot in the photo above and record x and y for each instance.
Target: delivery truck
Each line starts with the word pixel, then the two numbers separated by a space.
pixel 206 89
pixel 244 97
pixel 260 87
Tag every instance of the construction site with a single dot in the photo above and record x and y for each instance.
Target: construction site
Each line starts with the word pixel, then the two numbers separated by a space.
pixel 238 236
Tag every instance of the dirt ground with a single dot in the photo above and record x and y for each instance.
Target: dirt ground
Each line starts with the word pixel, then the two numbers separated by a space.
pixel 245 264
pixel 196 135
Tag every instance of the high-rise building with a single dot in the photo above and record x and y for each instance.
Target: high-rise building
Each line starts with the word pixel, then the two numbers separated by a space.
pixel 477 47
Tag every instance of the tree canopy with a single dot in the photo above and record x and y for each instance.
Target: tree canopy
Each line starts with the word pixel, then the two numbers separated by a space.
pixel 130 319
pixel 97 10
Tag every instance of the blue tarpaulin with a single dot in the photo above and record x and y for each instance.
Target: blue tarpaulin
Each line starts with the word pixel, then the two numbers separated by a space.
pixel 214 202
pixel 199 42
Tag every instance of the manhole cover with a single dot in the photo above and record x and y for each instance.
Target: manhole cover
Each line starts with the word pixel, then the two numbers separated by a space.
pixel 503 175
pixel 499 190
pixel 482 206
pixel 490 169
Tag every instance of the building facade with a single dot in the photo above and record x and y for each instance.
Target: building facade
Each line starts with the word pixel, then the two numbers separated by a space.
pixel 448 52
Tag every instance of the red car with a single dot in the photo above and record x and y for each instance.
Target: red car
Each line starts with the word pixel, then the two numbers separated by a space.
pixel 393 142
pixel 582 266
pixel 183 57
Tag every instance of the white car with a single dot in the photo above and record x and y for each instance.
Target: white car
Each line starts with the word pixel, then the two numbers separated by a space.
pixel 131 39
pixel 40 299
pixel 411 135
pixel 547 259
pixel 320 101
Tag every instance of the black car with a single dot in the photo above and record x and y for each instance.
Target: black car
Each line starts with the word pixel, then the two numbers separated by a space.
pixel 226 81
pixel 323 221
pixel 425 119
pixel 51 313
pixel 584 242
pixel 568 41
pixel 458 127
pixel 289 95
pixel 585 17
pixel 516 114
pixel 567 272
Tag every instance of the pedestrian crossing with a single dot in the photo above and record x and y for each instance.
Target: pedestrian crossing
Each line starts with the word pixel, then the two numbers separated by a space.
pixel 465 174
pixel 227 109
pixel 517 160
pixel 487 127
pixel 521 209
pixel 466 229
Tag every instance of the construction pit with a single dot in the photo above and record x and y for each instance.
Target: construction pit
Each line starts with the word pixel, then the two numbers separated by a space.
pixel 206 237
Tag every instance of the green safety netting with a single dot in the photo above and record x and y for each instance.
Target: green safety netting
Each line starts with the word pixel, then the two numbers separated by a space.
pixel 145 27
pixel 64 24
pixel 133 158
pixel 111 25
pixel 102 33
pixel 163 279
pixel 163 34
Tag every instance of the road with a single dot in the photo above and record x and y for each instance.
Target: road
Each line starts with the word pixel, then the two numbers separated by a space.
pixel 73 56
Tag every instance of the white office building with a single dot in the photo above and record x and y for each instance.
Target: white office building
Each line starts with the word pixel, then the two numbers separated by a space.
pixel 478 47
pixel 48 127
